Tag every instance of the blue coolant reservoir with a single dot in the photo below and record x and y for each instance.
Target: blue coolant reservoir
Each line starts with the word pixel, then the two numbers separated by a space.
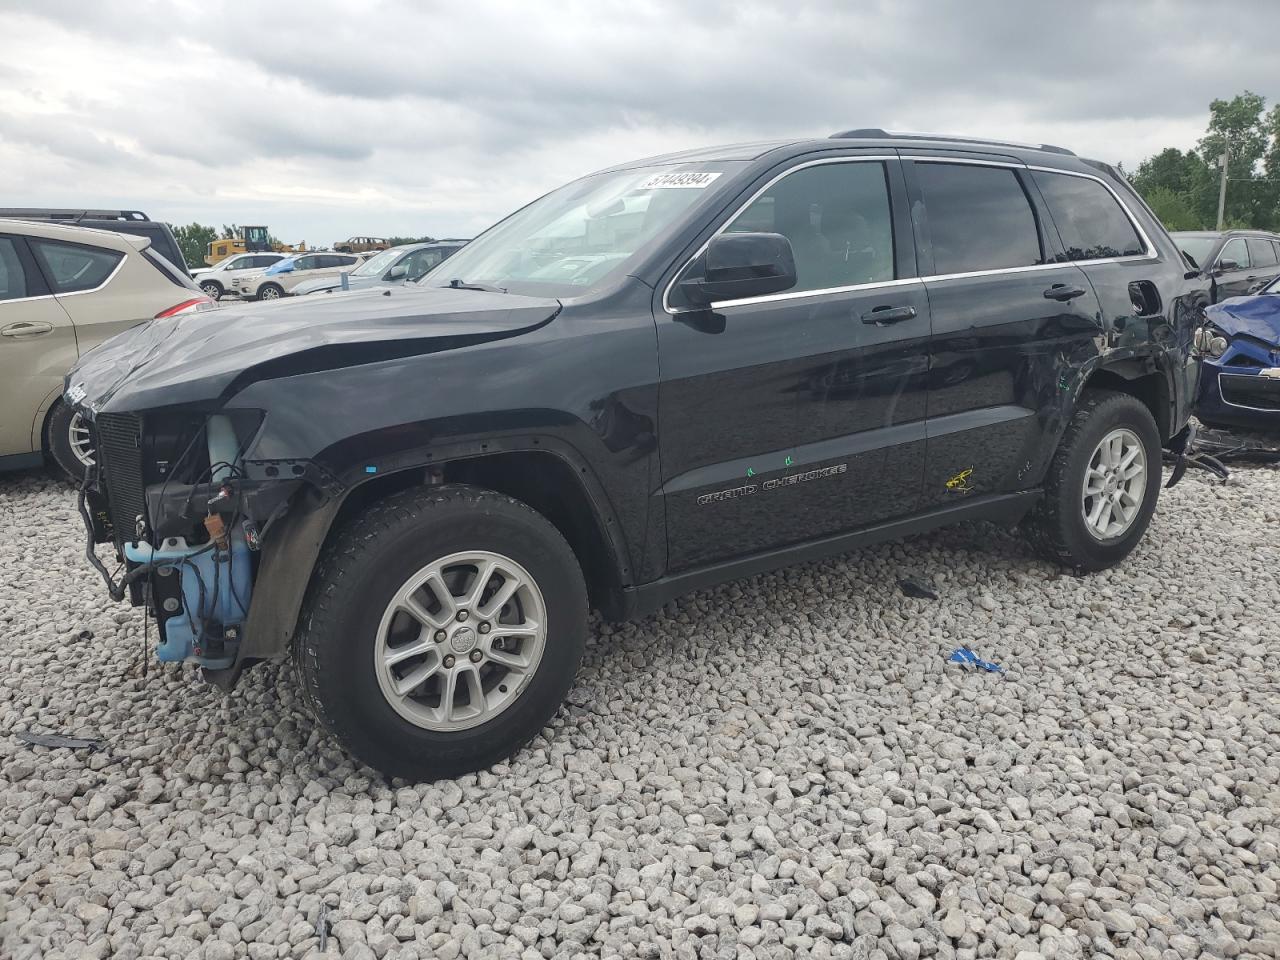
pixel 216 586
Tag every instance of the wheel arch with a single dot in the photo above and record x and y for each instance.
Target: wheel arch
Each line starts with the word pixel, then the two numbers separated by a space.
pixel 550 480
pixel 1142 379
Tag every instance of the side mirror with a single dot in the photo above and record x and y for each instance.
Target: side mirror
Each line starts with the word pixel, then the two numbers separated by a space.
pixel 740 265
pixel 1225 265
pixel 398 272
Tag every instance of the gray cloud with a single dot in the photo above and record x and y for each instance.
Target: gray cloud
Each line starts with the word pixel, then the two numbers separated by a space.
pixel 399 117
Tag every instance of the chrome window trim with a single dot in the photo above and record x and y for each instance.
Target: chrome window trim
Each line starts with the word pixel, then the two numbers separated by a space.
pixel 1151 254
pixel 75 293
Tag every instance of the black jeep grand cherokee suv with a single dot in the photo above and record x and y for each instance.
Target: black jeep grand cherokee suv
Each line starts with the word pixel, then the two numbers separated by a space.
pixel 661 376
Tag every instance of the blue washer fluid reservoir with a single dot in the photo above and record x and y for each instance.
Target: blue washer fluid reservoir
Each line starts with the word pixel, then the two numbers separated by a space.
pixel 222 578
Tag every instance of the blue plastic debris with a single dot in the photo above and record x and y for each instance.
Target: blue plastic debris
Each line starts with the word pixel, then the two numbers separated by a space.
pixel 967 658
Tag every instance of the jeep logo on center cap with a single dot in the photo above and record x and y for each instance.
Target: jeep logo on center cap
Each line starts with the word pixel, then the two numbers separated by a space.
pixel 463 639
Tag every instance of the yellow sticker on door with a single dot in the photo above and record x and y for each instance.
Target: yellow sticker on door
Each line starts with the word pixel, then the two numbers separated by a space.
pixel 959 484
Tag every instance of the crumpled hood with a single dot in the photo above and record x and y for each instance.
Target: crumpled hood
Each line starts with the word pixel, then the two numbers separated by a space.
pixel 205 356
pixel 1257 317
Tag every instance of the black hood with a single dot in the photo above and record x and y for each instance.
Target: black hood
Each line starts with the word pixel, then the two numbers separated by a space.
pixel 210 355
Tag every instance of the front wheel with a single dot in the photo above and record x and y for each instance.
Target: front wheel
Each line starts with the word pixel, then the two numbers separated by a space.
pixel 68 441
pixel 1102 486
pixel 270 291
pixel 441 631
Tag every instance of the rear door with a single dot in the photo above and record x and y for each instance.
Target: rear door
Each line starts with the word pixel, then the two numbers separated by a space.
pixel 788 416
pixel 37 345
pixel 1006 316
pixel 1098 233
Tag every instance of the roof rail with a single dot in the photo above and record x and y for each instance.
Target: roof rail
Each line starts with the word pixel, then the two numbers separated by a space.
pixel 48 213
pixel 875 133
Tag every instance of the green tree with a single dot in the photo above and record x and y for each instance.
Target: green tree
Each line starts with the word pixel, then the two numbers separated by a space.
pixel 232 232
pixel 194 241
pixel 1173 209
pixel 1242 125
pixel 401 241
pixel 1183 187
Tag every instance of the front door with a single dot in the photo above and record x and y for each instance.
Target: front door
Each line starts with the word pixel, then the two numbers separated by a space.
pixel 789 416
pixel 1007 318
pixel 1233 273
pixel 37 346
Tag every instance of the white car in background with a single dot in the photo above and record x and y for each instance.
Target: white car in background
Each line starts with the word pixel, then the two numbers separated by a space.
pixel 279 279
pixel 223 276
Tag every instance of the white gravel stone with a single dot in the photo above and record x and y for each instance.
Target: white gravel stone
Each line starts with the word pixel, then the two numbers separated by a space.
pixel 780 767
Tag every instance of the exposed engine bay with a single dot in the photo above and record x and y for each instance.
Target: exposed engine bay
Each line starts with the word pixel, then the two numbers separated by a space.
pixel 186 523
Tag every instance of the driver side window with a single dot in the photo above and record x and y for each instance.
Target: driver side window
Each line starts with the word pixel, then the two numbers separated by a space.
pixel 1235 250
pixel 838 220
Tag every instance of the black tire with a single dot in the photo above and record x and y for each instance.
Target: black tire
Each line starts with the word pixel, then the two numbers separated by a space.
pixel 58 442
pixel 1056 527
pixel 270 291
pixel 212 288
pixel 359 572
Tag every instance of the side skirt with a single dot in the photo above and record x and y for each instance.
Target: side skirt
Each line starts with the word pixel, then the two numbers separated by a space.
pixel 642 600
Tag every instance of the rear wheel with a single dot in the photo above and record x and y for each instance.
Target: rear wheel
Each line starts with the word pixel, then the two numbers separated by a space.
pixel 212 289
pixel 441 631
pixel 1102 486
pixel 68 441
pixel 270 291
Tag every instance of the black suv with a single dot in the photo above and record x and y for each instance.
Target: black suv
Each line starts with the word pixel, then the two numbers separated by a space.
pixel 133 222
pixel 1234 263
pixel 662 376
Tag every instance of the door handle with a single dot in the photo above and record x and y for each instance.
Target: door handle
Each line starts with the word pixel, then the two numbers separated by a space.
pixel 1062 293
pixel 25 328
pixel 882 316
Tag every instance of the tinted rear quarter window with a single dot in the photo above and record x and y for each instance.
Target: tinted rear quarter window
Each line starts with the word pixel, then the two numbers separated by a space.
pixel 13 279
pixel 1090 220
pixel 1262 253
pixel 72 267
pixel 979 218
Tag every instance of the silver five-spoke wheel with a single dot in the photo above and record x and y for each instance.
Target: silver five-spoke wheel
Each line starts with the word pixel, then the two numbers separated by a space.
pixel 81 440
pixel 460 640
pixel 1115 483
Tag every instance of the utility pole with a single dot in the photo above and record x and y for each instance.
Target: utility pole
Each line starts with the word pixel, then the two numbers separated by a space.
pixel 1222 187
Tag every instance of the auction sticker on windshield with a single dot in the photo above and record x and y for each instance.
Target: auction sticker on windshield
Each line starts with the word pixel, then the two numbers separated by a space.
pixel 686 180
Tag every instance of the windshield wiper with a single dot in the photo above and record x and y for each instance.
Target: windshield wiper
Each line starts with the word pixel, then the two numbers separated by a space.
pixel 459 284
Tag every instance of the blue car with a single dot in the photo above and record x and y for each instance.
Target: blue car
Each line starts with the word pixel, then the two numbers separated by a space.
pixel 1240 352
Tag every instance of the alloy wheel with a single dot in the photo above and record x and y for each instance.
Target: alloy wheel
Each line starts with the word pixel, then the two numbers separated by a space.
pixel 80 440
pixel 1115 483
pixel 460 640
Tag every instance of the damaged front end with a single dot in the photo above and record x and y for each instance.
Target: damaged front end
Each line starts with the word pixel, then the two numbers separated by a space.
pixel 171 492
pixel 1239 347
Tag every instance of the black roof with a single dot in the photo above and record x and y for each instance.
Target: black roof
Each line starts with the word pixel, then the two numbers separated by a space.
pixel 1234 232
pixel 1044 154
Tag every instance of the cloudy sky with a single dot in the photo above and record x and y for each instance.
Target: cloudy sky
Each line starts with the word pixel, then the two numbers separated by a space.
pixel 389 117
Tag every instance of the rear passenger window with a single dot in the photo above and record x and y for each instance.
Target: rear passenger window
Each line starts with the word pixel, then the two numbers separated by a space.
pixel 13 279
pixel 1262 253
pixel 1090 220
pixel 836 216
pixel 979 218
pixel 72 267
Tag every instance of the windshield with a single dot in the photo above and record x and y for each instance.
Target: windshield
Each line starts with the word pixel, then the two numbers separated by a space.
pixel 375 266
pixel 1198 248
pixel 578 237
pixel 1272 287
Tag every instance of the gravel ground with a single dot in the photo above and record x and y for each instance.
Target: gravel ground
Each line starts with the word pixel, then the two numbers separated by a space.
pixel 782 767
